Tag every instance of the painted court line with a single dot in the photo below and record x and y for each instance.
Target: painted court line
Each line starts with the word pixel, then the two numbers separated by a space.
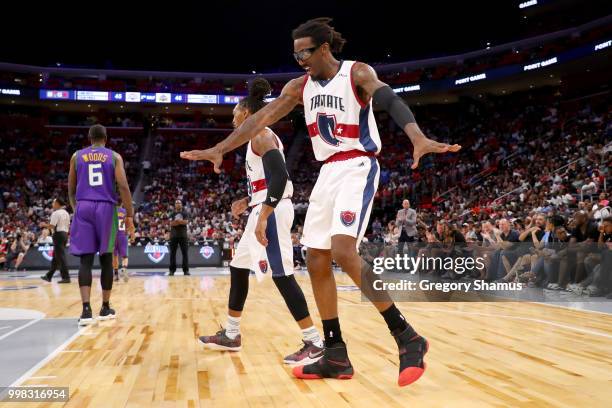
pixel 45 360
pixel 31 322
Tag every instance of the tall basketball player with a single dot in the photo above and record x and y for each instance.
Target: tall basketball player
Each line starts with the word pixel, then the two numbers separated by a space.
pixel 338 97
pixel 270 219
pixel 120 253
pixel 95 174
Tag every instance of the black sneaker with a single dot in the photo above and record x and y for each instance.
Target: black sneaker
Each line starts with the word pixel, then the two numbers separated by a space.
pixel 412 349
pixel 86 318
pixel 45 278
pixel 186 273
pixel 334 364
pixel 220 341
pixel 171 274
pixel 106 313
pixel 63 281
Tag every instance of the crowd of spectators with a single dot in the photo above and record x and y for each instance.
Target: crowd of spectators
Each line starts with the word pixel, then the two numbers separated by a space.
pixel 35 170
pixel 532 166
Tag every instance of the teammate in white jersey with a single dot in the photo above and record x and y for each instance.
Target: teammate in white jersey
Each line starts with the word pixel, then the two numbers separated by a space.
pixel 338 97
pixel 271 219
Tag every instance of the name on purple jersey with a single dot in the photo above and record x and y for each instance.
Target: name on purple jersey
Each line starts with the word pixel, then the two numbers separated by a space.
pixel 95 157
pixel 327 101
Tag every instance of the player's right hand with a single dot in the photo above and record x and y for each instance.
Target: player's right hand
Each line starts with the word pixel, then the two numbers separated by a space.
pixel 239 206
pixel 213 155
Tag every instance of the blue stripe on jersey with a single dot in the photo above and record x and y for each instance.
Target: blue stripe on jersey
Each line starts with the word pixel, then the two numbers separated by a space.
pixel 364 130
pixel 275 259
pixel 368 192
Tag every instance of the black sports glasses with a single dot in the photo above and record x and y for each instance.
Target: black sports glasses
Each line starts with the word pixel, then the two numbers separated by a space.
pixel 304 54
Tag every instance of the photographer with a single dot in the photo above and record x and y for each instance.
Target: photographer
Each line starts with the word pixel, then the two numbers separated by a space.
pixel 17 249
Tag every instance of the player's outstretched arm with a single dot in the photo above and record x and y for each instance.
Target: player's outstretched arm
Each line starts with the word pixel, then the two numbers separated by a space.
pixel 124 192
pixel 289 98
pixel 274 165
pixel 72 182
pixel 367 81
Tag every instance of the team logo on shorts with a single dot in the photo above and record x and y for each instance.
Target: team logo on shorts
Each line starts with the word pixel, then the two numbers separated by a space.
pixel 156 252
pixel 263 266
pixel 347 218
pixel 207 251
pixel 46 251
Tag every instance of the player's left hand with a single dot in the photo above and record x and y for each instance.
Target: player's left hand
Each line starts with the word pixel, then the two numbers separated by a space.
pixel 213 155
pixel 423 145
pixel 131 229
pixel 260 230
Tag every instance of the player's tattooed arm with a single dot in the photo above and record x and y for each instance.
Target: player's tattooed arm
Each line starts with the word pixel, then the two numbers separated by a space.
pixel 290 97
pixel 72 181
pixel 369 86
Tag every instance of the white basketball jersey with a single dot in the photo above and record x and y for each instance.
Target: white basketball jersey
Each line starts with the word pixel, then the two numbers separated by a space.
pixel 337 120
pixel 256 176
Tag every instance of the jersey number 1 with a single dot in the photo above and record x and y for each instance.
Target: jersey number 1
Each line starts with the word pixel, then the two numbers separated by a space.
pixel 95 174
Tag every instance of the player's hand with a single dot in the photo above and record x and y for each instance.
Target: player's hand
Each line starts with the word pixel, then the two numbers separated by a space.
pixel 423 145
pixel 213 155
pixel 239 206
pixel 262 224
pixel 129 225
pixel 260 230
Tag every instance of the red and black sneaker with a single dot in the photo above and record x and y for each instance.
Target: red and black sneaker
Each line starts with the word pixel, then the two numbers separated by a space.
pixel 334 364
pixel 412 349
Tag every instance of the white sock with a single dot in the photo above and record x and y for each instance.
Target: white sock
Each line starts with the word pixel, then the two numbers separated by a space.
pixel 312 334
pixel 232 327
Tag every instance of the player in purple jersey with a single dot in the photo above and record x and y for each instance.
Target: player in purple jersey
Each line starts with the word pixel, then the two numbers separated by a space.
pixel 95 174
pixel 121 245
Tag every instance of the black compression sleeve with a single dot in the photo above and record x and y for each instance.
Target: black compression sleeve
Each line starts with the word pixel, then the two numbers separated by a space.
pixel 276 176
pixel 388 100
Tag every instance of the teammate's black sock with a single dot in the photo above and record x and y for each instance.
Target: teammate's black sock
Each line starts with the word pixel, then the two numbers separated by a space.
pixel 86 306
pixel 116 272
pixel 394 319
pixel 105 305
pixel 331 330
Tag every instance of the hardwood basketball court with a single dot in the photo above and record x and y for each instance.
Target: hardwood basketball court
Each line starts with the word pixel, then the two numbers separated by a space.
pixel 503 354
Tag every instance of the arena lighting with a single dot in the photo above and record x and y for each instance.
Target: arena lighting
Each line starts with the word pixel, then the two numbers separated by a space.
pixel 540 64
pixel 470 79
pixel 603 45
pixel 410 88
pixel 529 3
pixel 15 92
pixel 207 99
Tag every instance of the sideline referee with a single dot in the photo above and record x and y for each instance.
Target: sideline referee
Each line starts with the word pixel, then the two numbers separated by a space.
pixel 60 224
pixel 178 237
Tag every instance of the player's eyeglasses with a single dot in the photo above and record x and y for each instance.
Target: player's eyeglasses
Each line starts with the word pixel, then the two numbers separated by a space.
pixel 304 54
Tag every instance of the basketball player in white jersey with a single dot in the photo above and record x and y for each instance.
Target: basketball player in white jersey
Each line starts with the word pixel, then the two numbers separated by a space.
pixel 338 98
pixel 271 219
